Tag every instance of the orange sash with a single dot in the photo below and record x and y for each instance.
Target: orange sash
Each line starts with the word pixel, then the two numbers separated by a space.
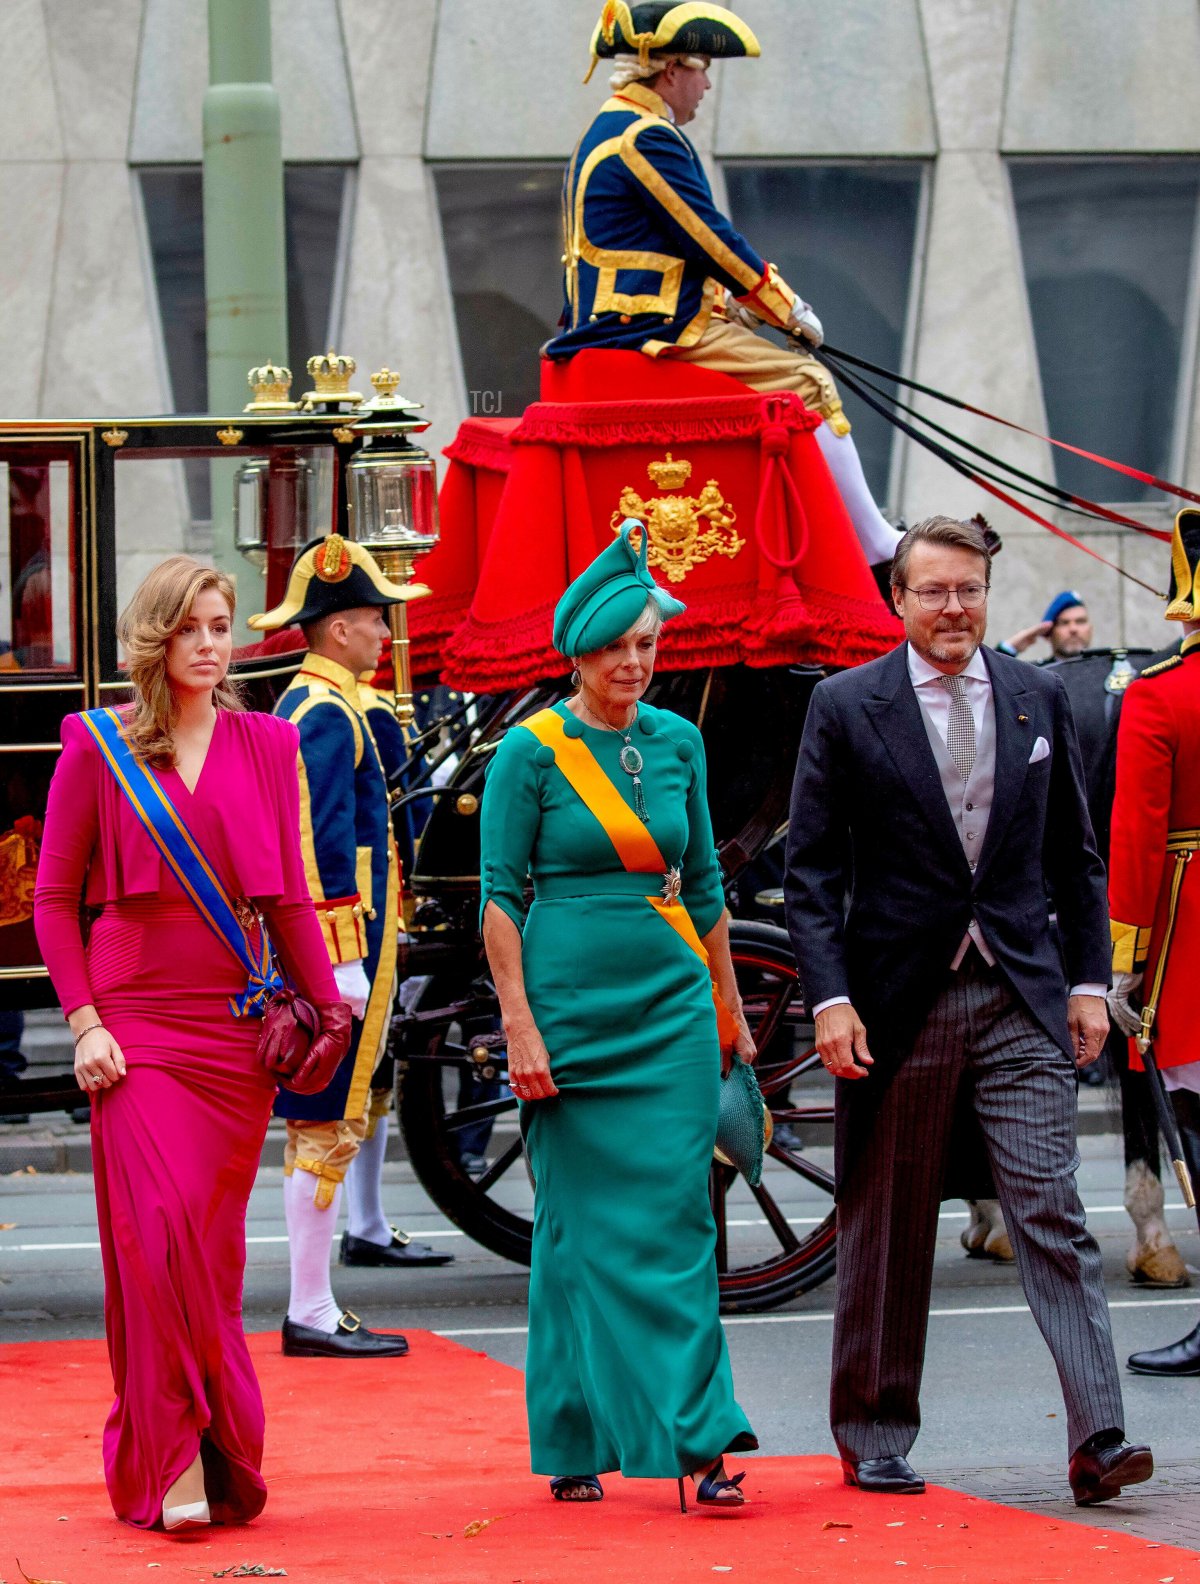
pixel 634 845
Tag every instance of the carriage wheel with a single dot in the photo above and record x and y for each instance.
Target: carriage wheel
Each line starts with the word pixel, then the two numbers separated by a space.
pixel 773 1242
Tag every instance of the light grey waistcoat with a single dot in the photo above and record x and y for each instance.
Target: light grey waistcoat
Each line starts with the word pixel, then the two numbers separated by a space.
pixel 970 799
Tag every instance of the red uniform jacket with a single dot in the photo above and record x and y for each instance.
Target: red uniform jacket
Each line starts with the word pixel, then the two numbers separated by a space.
pixel 1158 793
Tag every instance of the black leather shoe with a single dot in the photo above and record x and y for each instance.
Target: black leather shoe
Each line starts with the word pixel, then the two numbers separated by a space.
pixel 400 1251
pixel 350 1340
pixel 1179 1358
pixel 893 1476
pixel 1099 1476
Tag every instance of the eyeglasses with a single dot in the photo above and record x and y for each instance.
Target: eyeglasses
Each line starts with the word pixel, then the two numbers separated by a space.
pixel 970 595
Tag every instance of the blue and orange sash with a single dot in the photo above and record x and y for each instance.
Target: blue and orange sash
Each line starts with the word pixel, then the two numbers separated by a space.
pixel 180 852
pixel 635 846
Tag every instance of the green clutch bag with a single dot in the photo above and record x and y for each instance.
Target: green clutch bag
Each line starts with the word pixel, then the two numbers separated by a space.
pixel 741 1130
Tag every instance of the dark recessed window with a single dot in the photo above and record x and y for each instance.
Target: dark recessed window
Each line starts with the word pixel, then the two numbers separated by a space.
pixel 844 237
pixel 502 227
pixel 1107 248
pixel 38 561
pixel 314 199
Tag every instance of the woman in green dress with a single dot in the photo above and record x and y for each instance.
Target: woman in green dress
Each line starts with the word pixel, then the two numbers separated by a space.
pixel 607 994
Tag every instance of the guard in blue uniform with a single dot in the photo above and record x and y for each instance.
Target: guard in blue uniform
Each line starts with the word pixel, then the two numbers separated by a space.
pixel 336 594
pixel 651 264
pixel 369 1238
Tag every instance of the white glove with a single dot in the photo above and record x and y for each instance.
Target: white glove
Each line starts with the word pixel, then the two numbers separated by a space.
pixel 1127 1018
pixel 806 324
pixel 738 313
pixel 353 985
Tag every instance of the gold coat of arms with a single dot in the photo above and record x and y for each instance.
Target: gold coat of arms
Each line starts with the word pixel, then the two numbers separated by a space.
pixel 684 530
pixel 18 870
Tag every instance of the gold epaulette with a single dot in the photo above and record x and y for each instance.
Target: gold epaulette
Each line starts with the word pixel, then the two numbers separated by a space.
pixel 1168 664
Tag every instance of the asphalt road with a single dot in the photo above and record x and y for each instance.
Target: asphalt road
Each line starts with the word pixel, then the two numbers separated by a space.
pixel 991 1399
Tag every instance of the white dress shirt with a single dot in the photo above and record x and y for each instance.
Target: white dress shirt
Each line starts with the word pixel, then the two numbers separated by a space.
pixel 934 700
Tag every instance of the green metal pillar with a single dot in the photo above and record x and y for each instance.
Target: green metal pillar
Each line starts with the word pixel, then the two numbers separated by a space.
pixel 245 274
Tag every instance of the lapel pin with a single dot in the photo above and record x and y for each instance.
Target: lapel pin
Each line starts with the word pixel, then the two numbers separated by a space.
pixel 1023 719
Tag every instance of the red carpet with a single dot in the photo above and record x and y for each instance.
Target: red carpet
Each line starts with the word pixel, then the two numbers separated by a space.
pixel 378 1470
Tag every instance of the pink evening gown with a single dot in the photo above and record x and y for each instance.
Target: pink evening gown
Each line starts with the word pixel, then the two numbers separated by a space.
pixel 176 1143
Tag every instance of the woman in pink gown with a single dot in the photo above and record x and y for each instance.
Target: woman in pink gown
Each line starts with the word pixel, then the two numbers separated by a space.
pixel 180 1101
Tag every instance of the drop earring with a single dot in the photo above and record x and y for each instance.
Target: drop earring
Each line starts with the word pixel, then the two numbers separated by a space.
pixel 576 679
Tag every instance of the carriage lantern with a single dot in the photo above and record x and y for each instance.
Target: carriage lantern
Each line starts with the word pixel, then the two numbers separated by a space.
pixel 392 492
pixel 281 500
pixel 251 507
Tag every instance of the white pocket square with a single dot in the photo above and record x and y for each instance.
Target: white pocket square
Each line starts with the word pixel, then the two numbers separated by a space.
pixel 1041 750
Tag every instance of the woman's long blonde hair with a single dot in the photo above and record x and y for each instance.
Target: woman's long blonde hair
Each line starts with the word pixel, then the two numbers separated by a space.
pixel 159 608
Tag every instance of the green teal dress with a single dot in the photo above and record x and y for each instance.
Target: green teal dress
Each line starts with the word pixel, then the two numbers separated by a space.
pixel 627 1366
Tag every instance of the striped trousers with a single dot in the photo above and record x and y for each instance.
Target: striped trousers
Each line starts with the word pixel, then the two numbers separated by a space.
pixel 1022 1089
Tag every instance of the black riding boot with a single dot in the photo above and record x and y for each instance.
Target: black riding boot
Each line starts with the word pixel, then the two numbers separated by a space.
pixel 1182 1357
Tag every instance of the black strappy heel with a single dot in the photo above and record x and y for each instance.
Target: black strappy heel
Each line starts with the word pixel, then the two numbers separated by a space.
pixel 708 1491
pixel 561 1483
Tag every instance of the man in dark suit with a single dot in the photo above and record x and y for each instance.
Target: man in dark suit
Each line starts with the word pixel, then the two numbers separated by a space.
pixel 940 788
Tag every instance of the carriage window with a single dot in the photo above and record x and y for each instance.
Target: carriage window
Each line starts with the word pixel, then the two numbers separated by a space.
pixel 844 237
pixel 315 205
pixel 1108 248
pixel 37 566
pixel 502 226
pixel 152 519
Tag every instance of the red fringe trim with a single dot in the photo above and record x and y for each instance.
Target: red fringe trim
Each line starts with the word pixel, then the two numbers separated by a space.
pixel 481 442
pixel 817 628
pixel 487 657
pixel 813 628
pixel 431 624
pixel 685 419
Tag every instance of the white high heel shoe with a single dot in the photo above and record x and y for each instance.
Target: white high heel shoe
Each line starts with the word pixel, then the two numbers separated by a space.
pixel 190 1515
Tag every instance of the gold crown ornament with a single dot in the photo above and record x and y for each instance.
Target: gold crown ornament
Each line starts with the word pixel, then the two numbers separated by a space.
pixel 331 373
pixel 386 383
pixel 388 397
pixel 271 383
pixel 669 474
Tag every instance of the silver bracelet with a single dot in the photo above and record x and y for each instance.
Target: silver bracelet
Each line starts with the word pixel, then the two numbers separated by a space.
pixel 91 1028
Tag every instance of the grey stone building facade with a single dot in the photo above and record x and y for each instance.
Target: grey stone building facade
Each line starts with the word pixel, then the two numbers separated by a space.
pixel 998 196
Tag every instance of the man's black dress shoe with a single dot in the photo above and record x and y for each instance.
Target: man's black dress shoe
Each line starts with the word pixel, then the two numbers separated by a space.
pixel 1097 1475
pixel 350 1340
pixel 400 1251
pixel 893 1476
pixel 1178 1358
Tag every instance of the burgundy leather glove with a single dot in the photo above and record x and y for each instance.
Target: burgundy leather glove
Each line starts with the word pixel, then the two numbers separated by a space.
pixel 302 1044
pixel 325 1054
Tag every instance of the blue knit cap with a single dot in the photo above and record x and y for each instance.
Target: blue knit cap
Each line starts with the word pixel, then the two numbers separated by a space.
pixel 1062 602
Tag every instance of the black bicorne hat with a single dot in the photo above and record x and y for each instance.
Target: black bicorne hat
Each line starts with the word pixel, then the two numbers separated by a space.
pixel 331 575
pixel 661 27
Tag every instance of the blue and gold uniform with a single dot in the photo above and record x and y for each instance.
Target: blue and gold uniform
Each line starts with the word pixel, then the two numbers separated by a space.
pixel 648 257
pixel 334 594
pixel 647 250
pixel 392 744
pixel 349 852
pixel 350 859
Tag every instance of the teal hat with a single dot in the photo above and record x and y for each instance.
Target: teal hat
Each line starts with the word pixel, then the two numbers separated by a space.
pixel 608 597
